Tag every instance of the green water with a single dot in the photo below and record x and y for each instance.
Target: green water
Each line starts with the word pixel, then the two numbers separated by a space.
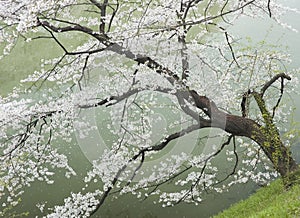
pixel 25 58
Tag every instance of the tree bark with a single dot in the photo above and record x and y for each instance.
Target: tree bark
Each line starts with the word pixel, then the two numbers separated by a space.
pixel 267 137
pixel 272 145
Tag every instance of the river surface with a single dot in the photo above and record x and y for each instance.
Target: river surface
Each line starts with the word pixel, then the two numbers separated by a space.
pixel 24 60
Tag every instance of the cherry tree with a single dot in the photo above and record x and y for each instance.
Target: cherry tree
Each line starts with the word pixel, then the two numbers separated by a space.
pixel 129 59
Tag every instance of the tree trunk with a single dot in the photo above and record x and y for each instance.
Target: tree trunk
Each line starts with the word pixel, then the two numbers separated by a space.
pixel 271 144
pixel 267 137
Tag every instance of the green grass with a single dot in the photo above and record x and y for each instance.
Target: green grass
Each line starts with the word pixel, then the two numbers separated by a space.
pixel 270 201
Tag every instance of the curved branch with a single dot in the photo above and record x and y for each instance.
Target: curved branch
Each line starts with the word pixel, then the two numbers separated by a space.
pixel 269 83
pixel 235 164
pixel 172 137
pixel 269 8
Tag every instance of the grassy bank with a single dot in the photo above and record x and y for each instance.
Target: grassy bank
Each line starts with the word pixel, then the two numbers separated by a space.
pixel 270 201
